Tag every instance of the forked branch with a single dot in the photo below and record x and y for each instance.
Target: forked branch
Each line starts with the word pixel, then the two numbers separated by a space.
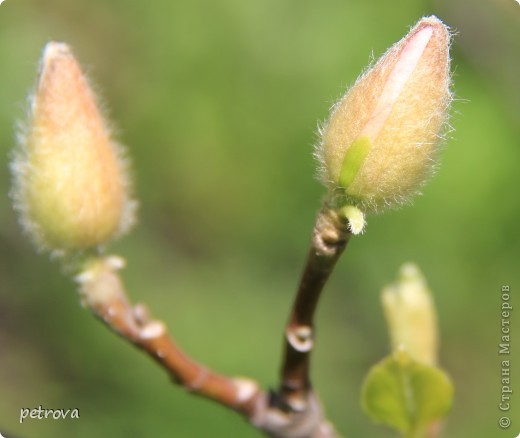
pixel 102 291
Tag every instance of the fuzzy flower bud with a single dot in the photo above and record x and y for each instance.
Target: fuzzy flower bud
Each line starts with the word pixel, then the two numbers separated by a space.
pixel 70 180
pixel 380 142
pixel 411 316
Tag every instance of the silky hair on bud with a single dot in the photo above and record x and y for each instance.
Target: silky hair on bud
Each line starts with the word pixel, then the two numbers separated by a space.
pixel 70 178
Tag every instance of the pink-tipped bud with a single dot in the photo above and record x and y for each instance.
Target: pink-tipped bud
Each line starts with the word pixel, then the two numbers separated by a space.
pixel 71 185
pixel 380 142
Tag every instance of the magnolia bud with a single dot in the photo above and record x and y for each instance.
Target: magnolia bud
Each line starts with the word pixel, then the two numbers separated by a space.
pixel 70 180
pixel 380 141
pixel 410 314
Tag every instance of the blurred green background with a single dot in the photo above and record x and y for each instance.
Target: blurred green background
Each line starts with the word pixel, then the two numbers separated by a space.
pixel 218 103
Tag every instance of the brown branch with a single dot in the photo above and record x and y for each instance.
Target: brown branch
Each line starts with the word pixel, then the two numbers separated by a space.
pixel 330 237
pixel 102 291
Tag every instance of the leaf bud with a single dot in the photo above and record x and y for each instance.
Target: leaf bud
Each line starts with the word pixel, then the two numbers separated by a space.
pixel 411 316
pixel 381 140
pixel 70 178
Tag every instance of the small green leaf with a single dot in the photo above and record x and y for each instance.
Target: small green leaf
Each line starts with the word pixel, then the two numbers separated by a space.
pixel 405 394
pixel 353 160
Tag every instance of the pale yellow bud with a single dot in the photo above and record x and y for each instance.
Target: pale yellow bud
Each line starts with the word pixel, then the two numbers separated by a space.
pixel 380 141
pixel 71 186
pixel 411 316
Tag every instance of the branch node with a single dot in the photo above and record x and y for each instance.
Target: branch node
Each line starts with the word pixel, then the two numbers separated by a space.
pixel 198 381
pixel 141 314
pixel 330 233
pixel 297 403
pixel 153 329
pixel 246 389
pixel 300 338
